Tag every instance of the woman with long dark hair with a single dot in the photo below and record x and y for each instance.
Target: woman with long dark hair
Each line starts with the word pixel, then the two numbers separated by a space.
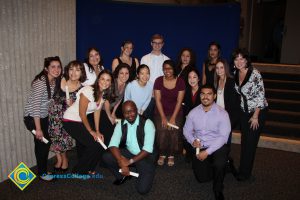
pixel 93 65
pixel 209 65
pixel 90 99
pixel 43 87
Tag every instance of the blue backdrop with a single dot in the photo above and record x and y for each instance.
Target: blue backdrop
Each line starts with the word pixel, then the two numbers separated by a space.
pixel 106 25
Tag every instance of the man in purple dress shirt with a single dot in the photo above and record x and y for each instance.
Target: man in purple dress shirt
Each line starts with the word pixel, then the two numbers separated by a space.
pixel 207 127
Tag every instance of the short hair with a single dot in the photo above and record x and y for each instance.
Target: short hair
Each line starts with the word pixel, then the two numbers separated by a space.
pixel 209 86
pixel 157 36
pixel 172 64
pixel 244 53
pixel 142 66
pixel 78 64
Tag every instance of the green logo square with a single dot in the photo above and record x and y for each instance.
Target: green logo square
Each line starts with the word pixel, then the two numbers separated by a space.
pixel 21 176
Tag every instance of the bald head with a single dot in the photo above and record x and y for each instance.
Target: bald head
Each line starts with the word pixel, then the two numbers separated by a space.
pixel 129 111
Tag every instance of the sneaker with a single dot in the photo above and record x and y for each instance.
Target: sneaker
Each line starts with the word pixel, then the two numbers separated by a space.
pixel 46 177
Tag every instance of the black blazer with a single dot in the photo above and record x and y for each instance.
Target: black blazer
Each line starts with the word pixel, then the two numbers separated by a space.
pixel 188 103
pixel 232 102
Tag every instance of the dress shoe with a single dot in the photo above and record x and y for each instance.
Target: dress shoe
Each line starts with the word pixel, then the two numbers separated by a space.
pixel 242 178
pixel 122 180
pixel 230 168
pixel 219 196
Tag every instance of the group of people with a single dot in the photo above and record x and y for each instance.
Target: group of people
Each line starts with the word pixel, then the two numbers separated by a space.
pixel 146 113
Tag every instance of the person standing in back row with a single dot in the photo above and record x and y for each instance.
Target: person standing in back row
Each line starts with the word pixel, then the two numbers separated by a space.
pixel 155 59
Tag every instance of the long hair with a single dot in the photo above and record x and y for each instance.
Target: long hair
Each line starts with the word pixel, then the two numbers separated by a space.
pixel 227 72
pixel 192 61
pixel 118 69
pixel 44 73
pixel 86 60
pixel 108 93
pixel 208 59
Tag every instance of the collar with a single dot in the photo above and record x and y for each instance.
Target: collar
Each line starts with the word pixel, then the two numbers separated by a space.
pixel 136 122
pixel 213 108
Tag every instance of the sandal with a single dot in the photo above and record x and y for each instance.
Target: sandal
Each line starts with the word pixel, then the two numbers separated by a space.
pixel 161 160
pixel 171 161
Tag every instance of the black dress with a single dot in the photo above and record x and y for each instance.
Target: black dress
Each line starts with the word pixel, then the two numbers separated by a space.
pixel 209 73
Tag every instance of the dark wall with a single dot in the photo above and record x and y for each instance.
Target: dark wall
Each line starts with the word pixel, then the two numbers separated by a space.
pixel 107 24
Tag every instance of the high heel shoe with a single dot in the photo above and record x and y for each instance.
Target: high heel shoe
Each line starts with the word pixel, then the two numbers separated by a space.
pixel 64 170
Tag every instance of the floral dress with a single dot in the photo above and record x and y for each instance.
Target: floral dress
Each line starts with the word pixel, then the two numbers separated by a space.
pixel 61 141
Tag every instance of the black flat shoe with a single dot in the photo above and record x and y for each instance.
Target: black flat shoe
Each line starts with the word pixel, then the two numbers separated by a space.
pixel 122 180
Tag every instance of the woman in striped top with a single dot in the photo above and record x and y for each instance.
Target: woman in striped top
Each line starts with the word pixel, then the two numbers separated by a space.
pixel 44 86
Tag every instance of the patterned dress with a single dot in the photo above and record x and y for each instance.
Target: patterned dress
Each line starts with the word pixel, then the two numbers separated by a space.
pixel 61 141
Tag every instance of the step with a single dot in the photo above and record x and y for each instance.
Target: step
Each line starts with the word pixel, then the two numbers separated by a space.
pixel 280 76
pixel 280 104
pixel 283 129
pixel 284 144
pixel 283 116
pixel 282 84
pixel 282 94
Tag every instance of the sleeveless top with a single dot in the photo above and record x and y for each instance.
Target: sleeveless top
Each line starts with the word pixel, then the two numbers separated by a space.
pixel 132 73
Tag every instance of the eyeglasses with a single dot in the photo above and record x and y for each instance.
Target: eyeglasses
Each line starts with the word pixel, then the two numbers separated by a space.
pixel 157 43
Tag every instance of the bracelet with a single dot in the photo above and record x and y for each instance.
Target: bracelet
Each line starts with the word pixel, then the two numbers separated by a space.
pixel 254 117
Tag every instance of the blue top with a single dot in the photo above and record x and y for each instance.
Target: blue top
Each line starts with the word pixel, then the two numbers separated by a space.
pixel 131 142
pixel 139 94
pixel 212 128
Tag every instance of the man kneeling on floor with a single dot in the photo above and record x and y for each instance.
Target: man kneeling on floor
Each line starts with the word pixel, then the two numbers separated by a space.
pixel 132 144
pixel 207 127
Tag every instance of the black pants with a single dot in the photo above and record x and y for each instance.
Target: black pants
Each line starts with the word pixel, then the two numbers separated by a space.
pixel 213 167
pixel 145 168
pixel 249 141
pixel 41 150
pixel 90 151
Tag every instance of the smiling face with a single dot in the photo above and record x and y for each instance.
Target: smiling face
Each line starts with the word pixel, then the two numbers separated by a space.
pixel 185 58
pixel 123 75
pixel 143 76
pixel 240 62
pixel 53 70
pixel 127 49
pixel 157 44
pixel 168 71
pixel 104 81
pixel 207 97
pixel 193 79
pixel 74 73
pixel 94 57
pixel 220 69
pixel 129 111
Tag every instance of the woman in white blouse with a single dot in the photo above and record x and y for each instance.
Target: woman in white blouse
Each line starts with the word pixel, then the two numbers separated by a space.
pixel 93 66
